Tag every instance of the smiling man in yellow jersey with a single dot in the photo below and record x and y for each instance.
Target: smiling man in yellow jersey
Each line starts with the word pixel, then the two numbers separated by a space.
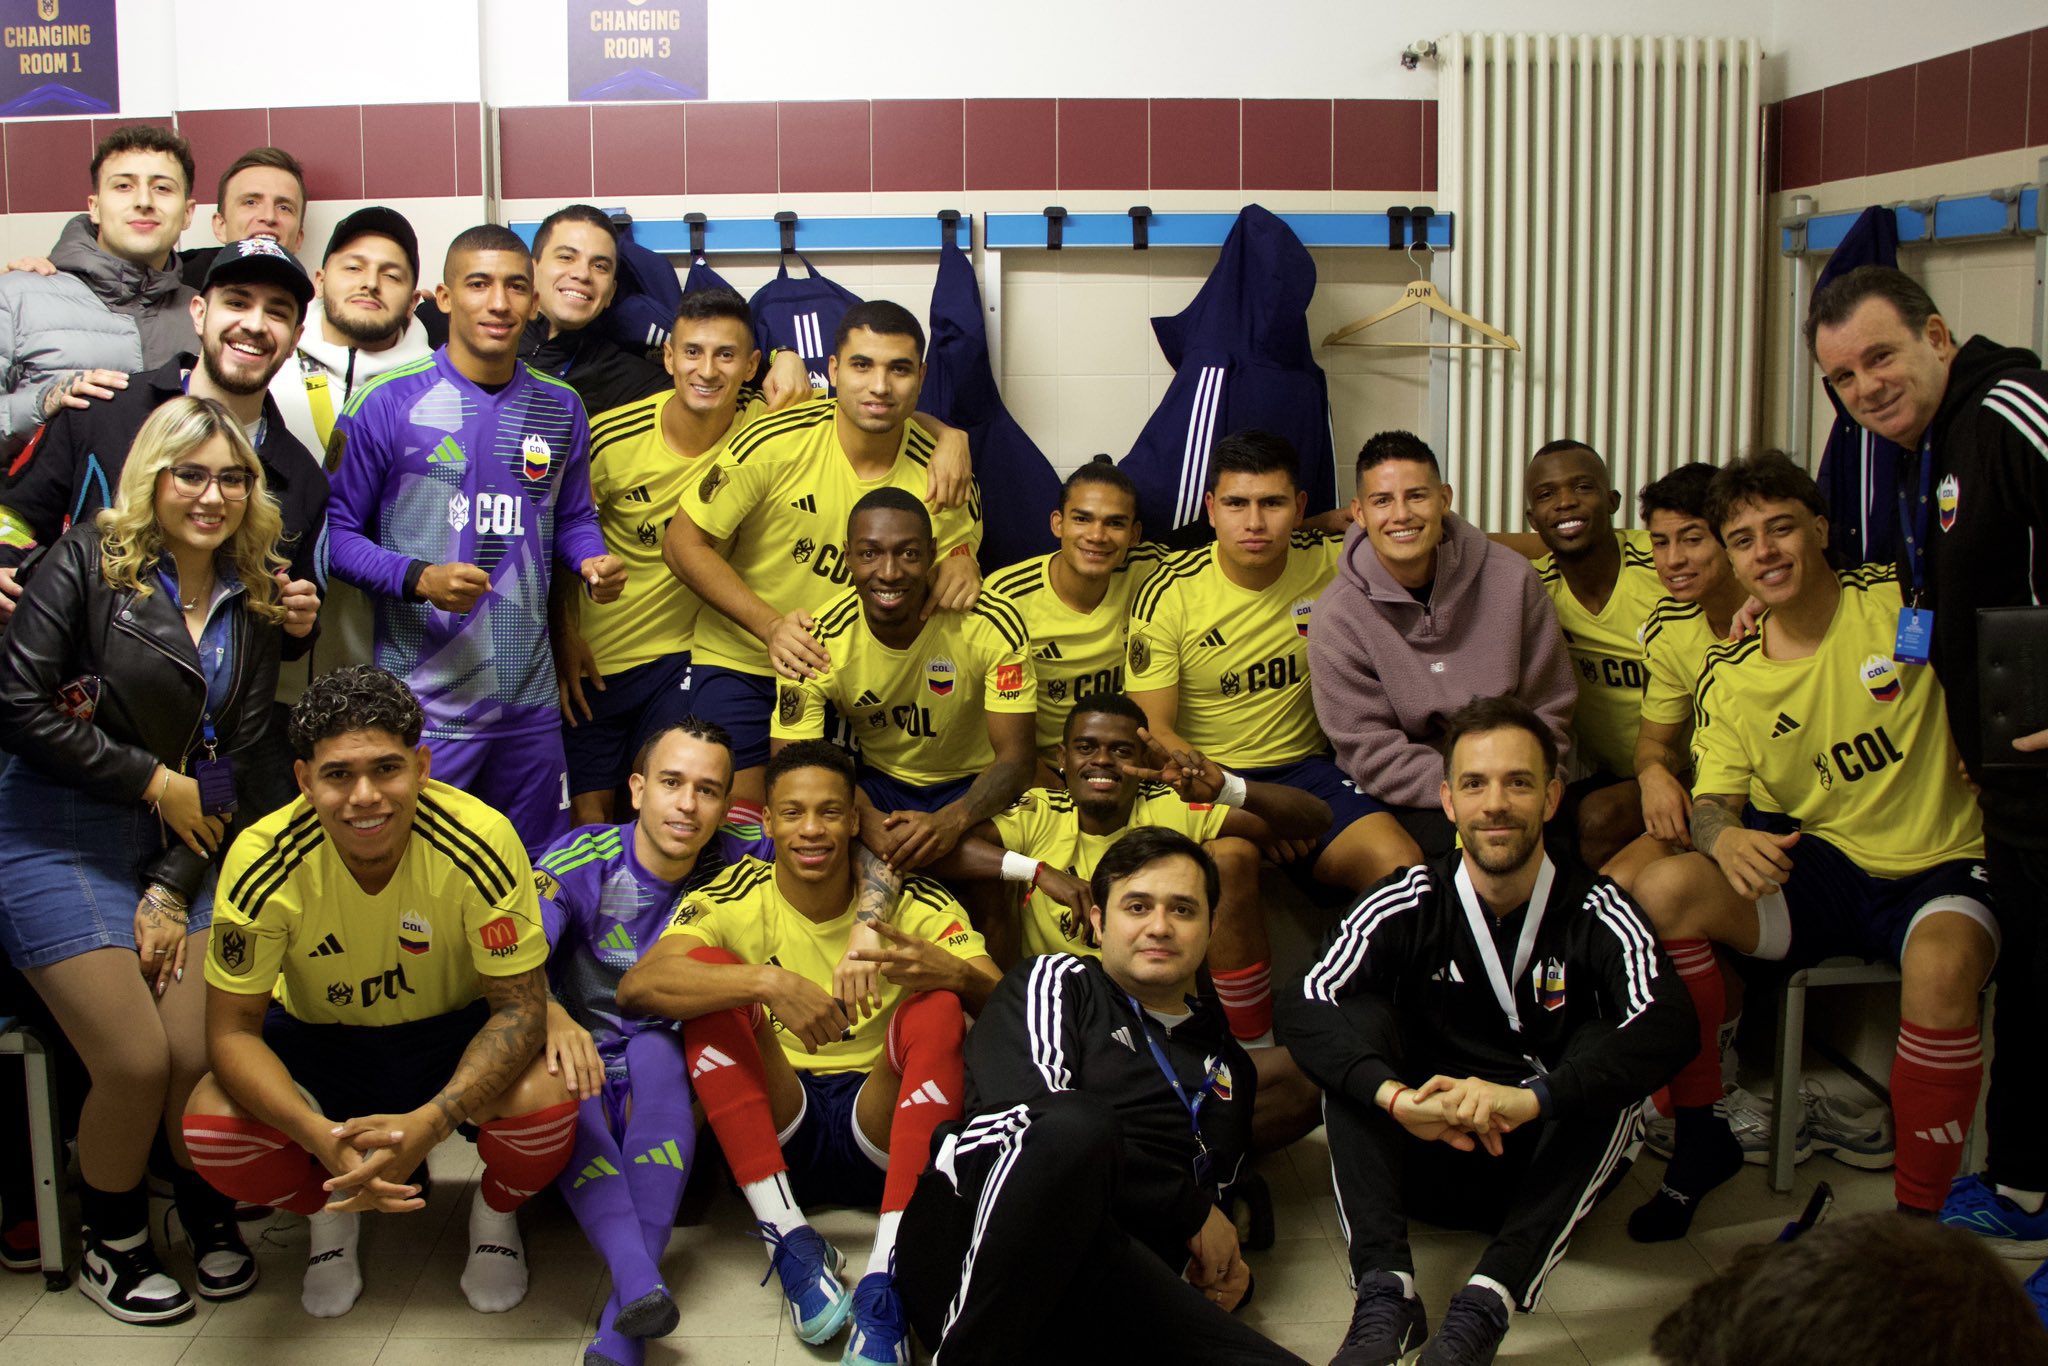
pixel 1076 602
pixel 1219 649
pixel 1603 584
pixel 942 705
pixel 759 538
pixel 1877 851
pixel 643 456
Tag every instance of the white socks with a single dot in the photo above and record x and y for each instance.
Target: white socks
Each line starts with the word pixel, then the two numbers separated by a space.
pixel 773 1204
pixel 1507 1301
pixel 334 1278
pixel 495 1278
pixel 879 1260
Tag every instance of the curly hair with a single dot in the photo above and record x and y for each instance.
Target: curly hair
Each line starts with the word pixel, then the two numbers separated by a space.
pixel 131 538
pixel 360 697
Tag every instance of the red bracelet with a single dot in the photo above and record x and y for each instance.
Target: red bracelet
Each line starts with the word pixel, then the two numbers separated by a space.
pixel 1391 1100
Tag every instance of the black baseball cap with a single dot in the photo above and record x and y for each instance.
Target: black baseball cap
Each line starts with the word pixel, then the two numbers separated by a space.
pixel 377 221
pixel 261 260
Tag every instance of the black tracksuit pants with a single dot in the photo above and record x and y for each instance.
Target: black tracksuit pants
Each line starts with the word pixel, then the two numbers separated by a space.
pixel 2016 1111
pixel 1530 1197
pixel 1010 1252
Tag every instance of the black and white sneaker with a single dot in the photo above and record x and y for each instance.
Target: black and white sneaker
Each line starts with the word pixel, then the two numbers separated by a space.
pixel 124 1278
pixel 1386 1324
pixel 222 1264
pixel 1474 1323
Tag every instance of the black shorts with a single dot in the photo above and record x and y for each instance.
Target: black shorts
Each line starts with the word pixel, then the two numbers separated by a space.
pixel 830 1160
pixel 356 1070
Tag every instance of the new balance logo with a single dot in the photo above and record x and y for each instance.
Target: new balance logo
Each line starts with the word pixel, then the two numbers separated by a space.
pixel 927 1094
pixel 662 1155
pixel 618 940
pixel 867 699
pixel 447 453
pixel 710 1060
pixel 1123 1036
pixel 807 503
pixel 1213 639
pixel 329 945
pixel 1786 725
pixel 1049 650
pixel 1950 1132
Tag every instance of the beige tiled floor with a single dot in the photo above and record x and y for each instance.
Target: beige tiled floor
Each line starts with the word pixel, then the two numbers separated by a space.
pixel 1600 1306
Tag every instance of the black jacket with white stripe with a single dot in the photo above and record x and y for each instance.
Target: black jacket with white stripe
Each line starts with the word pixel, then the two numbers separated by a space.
pixel 1988 547
pixel 1060 1023
pixel 1402 993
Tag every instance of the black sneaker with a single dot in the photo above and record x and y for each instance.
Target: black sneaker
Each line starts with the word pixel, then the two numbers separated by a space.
pixel 1470 1334
pixel 1386 1324
pixel 221 1262
pixel 124 1278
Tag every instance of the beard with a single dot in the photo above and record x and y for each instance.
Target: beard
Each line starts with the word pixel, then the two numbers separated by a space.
pixel 362 332
pixel 242 386
pixel 1497 861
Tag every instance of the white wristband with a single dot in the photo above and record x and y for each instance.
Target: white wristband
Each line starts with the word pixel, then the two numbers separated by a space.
pixel 1233 792
pixel 1018 868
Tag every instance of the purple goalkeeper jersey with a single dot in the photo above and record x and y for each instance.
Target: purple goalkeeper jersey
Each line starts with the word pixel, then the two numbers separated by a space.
pixel 434 469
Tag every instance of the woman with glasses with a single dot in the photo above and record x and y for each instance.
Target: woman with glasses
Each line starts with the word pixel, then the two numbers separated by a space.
pixel 135 676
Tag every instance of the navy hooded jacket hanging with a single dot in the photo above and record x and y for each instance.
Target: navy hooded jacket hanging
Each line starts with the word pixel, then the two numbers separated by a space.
pixel 644 307
pixel 1241 358
pixel 802 314
pixel 1018 486
pixel 1859 470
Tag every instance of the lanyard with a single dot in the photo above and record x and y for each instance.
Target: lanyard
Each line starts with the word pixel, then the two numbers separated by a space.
pixel 1913 525
pixel 1482 935
pixel 1193 1107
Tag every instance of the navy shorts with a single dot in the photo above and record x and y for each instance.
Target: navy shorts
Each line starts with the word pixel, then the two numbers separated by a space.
pixel 1320 777
pixel 830 1160
pixel 635 704
pixel 1830 906
pixel 741 703
pixel 356 1070
pixel 889 794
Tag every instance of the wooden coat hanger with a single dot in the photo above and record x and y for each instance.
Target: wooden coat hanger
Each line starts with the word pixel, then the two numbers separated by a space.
pixel 1423 294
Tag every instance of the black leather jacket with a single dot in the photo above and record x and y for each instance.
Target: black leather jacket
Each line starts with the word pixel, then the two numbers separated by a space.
pixel 71 624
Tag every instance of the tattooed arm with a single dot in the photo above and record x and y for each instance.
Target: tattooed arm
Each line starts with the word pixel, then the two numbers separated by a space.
pixel 1755 862
pixel 854 984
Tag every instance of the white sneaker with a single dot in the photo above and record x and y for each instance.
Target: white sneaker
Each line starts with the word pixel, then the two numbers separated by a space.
pixel 1852 1134
pixel 1749 1116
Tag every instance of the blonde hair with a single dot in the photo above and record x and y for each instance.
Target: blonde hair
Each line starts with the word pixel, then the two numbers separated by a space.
pixel 131 539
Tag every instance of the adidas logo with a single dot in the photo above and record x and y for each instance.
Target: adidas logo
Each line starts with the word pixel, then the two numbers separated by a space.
pixel 710 1060
pixel 447 453
pixel 326 947
pixel 1786 725
pixel 867 699
pixel 807 503
pixel 637 494
pixel 1122 1035
pixel 1950 1132
pixel 1212 639
pixel 662 1155
pixel 598 1169
pixel 1049 650
pixel 928 1094
pixel 618 940
pixel 1448 973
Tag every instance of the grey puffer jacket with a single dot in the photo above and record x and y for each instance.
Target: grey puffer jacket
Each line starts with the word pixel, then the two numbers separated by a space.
pixel 97 311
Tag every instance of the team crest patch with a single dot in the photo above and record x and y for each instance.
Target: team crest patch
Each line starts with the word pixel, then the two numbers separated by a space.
pixel 544 883
pixel 938 676
pixel 414 934
pixel 234 949
pixel 1881 676
pixel 1141 655
pixel 458 511
pixel 1550 985
pixel 534 449
pixel 708 487
pixel 1948 495
pixel 789 705
pixel 1009 677
pixel 1304 608
pixel 1220 1087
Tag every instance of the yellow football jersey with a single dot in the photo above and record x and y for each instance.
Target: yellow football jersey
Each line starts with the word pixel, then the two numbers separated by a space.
pixel 290 919
pixel 637 481
pixel 1076 654
pixel 1238 655
pixel 1607 655
pixel 1676 638
pixel 917 712
pixel 1848 742
pixel 1045 825
pixel 778 497
pixel 742 911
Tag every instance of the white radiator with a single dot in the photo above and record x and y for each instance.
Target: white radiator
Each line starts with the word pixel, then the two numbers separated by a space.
pixel 1610 213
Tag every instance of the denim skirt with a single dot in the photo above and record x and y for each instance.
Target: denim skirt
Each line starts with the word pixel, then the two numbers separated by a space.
pixel 70 869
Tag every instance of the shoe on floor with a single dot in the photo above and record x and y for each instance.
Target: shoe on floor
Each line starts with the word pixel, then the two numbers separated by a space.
pixel 2037 1292
pixel 124 1277
pixel 810 1269
pixel 1975 1206
pixel 1749 1118
pixel 223 1267
pixel 880 1335
pixel 1386 1324
pixel 1846 1131
pixel 1470 1334
pixel 21 1247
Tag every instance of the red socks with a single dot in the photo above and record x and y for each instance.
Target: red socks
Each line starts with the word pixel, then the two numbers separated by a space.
pixel 1935 1078
pixel 522 1153
pixel 726 1073
pixel 1246 995
pixel 924 1049
pixel 1699 1081
pixel 253 1162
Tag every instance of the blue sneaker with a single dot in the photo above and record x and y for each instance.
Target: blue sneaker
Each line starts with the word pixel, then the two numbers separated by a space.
pixel 2037 1291
pixel 880 1337
pixel 810 1269
pixel 1975 1206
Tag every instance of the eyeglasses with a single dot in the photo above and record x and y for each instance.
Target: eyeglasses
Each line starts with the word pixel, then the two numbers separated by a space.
pixel 191 481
